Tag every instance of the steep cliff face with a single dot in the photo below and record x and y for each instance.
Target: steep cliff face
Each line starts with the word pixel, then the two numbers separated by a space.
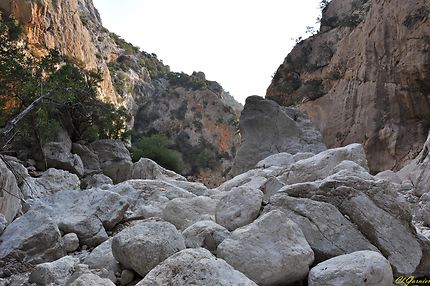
pixel 364 78
pixel 135 79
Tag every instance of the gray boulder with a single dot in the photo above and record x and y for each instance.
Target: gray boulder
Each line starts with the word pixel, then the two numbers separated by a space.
pixel 268 128
pixel 148 198
pixel 195 267
pixel 89 158
pixel 10 194
pixel 87 213
pixel 328 232
pixel 32 238
pixel 271 187
pixel 361 268
pixel 184 212
pixel 254 178
pixel 54 273
pixel 390 176
pixel 145 245
pixel 88 279
pixel 101 258
pixel 271 251
pixel 51 181
pixel 239 207
pixel 378 210
pixel 114 159
pixel 96 181
pixel 280 160
pixel 148 169
pixel 206 234
pixel 71 242
pixel 57 154
pixel 323 164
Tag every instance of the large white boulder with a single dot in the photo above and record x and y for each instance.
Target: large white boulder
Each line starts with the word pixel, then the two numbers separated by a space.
pixel 195 267
pixel 271 251
pixel 184 212
pixel 87 213
pixel 361 268
pixel 239 207
pixel 145 245
pixel 328 232
pixel 321 165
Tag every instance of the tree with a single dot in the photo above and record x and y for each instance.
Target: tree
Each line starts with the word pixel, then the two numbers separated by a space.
pixel 39 96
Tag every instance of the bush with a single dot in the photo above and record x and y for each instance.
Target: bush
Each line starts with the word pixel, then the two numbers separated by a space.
pixel 156 147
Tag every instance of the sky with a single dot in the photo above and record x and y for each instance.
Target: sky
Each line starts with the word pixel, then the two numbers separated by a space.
pixel 238 43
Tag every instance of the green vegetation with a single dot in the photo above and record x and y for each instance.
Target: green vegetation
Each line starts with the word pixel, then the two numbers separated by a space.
pixel 126 46
pixel 156 147
pixel 59 92
pixel 201 156
pixel 155 66
pixel 188 81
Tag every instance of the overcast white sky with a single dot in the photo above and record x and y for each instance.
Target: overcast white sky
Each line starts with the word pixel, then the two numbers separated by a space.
pixel 239 43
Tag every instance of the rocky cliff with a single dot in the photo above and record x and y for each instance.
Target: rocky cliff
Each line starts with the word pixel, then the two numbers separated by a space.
pixel 364 77
pixel 192 108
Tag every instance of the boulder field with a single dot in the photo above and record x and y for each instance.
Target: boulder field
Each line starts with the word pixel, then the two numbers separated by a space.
pixel 304 218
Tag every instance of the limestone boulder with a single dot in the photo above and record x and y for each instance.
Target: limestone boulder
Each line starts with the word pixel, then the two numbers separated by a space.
pixel 148 169
pixel 101 258
pixel 280 160
pixel 57 154
pixel 54 273
pixel 184 212
pixel 239 207
pixel 148 198
pixel 206 234
pixel 32 238
pixel 96 181
pixel 87 213
pixel 10 194
pixel 321 165
pixel 271 251
pixel 51 181
pixel 326 229
pixel 195 267
pixel 378 210
pixel 145 245
pixel 267 128
pixel 70 242
pixel 89 158
pixel 114 159
pixel 357 268
pixel 89 279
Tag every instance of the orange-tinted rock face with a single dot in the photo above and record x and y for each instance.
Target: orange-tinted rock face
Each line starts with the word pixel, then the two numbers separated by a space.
pixel 365 78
